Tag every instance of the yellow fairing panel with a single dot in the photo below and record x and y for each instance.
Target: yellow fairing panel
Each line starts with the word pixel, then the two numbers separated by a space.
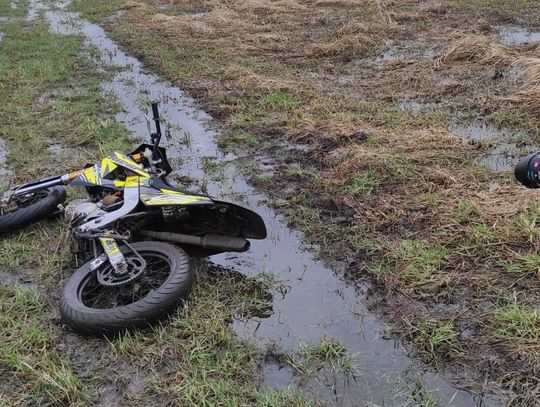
pixel 128 163
pixel 169 197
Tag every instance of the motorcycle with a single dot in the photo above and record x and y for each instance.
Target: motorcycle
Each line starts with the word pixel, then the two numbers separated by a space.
pixel 133 233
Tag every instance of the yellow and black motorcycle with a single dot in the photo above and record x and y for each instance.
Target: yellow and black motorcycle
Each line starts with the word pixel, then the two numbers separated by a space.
pixel 134 231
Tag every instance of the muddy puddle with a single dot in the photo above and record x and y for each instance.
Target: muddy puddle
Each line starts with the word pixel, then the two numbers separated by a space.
pixel 515 35
pixel 503 147
pixel 317 301
pixel 405 50
pixel 500 148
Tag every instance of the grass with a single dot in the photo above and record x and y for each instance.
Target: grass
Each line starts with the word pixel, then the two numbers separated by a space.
pixel 328 353
pixel 520 325
pixel 437 340
pixel 363 185
pixel 237 140
pixel 415 261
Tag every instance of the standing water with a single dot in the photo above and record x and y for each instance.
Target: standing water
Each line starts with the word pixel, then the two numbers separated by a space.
pixel 318 302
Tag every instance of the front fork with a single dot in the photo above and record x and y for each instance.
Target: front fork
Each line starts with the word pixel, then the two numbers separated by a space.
pixel 113 254
pixel 46 183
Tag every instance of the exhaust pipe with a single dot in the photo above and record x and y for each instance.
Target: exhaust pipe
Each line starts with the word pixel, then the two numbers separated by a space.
pixel 216 242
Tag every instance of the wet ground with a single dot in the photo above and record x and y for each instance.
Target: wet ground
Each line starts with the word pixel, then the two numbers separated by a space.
pixel 503 147
pixel 500 147
pixel 317 302
pixel 515 35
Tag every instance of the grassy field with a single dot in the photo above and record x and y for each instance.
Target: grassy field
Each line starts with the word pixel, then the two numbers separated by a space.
pixel 54 119
pixel 385 97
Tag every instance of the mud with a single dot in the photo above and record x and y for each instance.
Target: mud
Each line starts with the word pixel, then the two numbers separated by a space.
pixel 317 301
pixel 19 276
pixel 503 147
pixel 515 35
pixel 394 51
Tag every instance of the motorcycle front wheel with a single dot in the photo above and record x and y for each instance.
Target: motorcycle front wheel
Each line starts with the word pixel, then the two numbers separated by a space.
pixel 94 309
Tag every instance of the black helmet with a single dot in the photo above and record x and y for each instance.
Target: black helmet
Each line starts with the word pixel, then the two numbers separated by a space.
pixel 527 171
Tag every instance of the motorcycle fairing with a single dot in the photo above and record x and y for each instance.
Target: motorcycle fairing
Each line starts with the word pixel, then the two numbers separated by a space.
pixel 96 174
pixel 165 196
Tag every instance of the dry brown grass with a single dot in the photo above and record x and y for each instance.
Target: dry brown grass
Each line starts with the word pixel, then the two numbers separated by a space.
pixel 346 47
pixel 479 49
pixel 528 95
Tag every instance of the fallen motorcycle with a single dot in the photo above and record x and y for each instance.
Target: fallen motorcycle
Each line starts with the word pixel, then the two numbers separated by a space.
pixel 133 233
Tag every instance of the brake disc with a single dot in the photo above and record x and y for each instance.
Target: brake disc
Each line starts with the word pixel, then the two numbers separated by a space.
pixel 108 276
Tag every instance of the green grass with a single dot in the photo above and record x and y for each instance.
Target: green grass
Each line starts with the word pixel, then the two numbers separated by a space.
pixel 525 265
pixel 7 10
pixel 237 140
pixel 415 394
pixel 50 95
pixel 328 353
pixel 438 340
pixel 416 260
pixel 518 324
pixel 279 100
pixel 37 369
pixel 363 185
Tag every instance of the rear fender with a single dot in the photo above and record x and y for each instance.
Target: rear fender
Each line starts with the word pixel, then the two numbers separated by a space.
pixel 254 228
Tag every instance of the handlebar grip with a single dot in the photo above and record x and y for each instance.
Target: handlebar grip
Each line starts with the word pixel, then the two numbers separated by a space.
pixel 156 117
pixel 155 111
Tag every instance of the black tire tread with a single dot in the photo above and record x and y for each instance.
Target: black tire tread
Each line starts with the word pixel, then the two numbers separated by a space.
pixel 37 211
pixel 158 304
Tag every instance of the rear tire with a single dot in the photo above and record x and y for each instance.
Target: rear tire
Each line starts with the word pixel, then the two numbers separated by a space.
pixel 98 315
pixel 46 204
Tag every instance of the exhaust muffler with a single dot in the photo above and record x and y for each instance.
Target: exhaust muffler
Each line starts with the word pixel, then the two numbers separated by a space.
pixel 215 242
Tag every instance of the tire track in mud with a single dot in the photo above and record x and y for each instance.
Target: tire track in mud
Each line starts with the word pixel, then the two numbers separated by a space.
pixel 317 302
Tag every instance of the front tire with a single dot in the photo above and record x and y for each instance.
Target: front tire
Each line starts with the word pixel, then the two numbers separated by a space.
pixel 91 308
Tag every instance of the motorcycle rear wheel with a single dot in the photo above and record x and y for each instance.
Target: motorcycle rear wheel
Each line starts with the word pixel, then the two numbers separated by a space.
pixel 93 309
pixel 33 207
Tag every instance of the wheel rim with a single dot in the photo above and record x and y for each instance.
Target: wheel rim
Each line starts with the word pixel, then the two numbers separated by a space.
pixel 94 295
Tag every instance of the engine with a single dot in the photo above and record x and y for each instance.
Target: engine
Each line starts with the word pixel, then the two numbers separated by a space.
pixel 80 210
